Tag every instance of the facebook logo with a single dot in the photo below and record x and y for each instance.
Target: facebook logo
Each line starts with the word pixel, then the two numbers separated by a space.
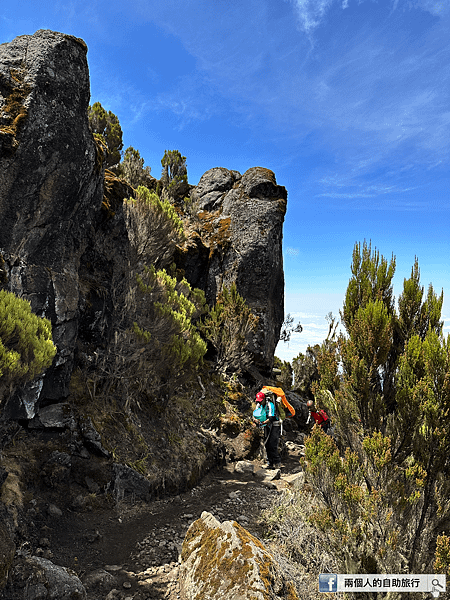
pixel 327 582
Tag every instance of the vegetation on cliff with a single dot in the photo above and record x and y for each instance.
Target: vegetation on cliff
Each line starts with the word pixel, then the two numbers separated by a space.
pixel 132 168
pixel 105 125
pixel 26 346
pixel 228 326
pixel 154 228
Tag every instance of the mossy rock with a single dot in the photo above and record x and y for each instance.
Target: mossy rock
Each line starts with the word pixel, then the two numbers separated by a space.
pixel 225 561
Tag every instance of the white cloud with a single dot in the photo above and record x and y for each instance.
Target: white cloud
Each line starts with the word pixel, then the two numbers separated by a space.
pixel 311 12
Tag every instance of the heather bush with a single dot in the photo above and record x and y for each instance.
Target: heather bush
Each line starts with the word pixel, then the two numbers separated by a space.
pixel 382 487
pixel 26 346
pixel 229 326
pixel 154 228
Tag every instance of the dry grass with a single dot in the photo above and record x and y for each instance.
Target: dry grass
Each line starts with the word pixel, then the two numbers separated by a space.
pixel 298 547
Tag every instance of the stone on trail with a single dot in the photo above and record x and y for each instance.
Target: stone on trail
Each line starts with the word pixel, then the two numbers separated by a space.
pixel 244 466
pixel 296 480
pixel 223 560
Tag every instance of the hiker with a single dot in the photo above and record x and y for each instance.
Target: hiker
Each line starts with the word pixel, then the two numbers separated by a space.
pixel 265 416
pixel 320 416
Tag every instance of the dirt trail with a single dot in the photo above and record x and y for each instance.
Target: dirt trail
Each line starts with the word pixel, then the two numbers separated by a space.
pixel 135 549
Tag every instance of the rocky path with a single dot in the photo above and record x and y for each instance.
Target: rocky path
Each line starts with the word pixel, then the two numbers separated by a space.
pixel 132 552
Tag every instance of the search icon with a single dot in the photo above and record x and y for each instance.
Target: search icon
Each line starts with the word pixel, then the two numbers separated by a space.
pixel 435 583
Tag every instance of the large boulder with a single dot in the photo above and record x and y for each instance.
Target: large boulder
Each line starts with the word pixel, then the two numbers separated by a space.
pixel 225 561
pixel 239 239
pixel 40 579
pixel 58 239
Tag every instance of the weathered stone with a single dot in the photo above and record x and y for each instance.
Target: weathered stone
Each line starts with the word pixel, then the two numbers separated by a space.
pixel 128 482
pixel 244 466
pixel 54 511
pixel 268 475
pixel 92 438
pixel 51 185
pixel 241 222
pixel 31 575
pixel 225 561
pixel 296 480
pixel 54 416
pixel 99 581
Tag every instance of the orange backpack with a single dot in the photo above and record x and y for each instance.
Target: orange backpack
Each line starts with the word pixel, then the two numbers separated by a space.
pixel 288 408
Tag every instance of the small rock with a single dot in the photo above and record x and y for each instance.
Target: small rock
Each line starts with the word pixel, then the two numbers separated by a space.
pixel 93 487
pixel 79 502
pixel 234 495
pixel 244 466
pixel 126 585
pixel 296 480
pixel 113 568
pixel 54 511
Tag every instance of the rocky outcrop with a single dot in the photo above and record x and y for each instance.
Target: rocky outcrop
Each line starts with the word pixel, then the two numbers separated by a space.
pixel 223 560
pixel 238 238
pixel 51 186
pixel 63 241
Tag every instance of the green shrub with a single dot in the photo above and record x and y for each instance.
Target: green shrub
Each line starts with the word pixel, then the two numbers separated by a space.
pixel 383 490
pixel 154 228
pixel 26 346
pixel 228 326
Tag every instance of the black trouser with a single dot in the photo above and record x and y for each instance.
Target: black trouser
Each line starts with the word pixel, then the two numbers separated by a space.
pixel 272 436
pixel 326 425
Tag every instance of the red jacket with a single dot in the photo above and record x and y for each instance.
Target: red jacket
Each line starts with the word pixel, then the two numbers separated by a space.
pixel 319 417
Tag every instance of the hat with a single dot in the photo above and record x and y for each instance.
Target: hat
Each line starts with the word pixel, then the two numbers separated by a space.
pixel 260 397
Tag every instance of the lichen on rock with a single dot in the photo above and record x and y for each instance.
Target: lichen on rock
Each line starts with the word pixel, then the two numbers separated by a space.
pixel 239 220
pixel 223 560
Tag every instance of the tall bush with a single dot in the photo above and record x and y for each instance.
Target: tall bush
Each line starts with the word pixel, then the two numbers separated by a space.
pixel 229 326
pixel 154 228
pixel 382 488
pixel 105 125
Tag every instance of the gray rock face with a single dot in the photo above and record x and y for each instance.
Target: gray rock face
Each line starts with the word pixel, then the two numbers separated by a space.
pixel 63 239
pixel 241 224
pixel 51 184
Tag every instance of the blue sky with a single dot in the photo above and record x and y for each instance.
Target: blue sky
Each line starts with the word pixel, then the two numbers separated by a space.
pixel 346 101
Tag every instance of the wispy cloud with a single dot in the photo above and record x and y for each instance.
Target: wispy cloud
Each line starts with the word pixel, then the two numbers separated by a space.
pixel 310 13
pixel 191 99
pixel 370 91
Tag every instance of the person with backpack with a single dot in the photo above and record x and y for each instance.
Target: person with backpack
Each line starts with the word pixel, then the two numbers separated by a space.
pixel 320 416
pixel 265 416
